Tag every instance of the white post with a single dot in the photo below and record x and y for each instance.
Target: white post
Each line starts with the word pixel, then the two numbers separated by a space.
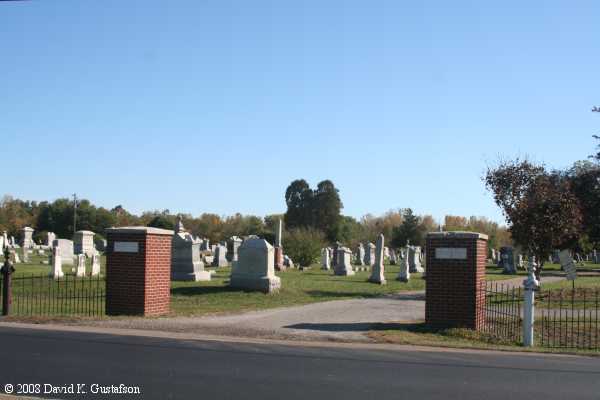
pixel 530 284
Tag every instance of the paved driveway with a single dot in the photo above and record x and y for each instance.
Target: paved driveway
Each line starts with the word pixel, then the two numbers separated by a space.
pixel 334 320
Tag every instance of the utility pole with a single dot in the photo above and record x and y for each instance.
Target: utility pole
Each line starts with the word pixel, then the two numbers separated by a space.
pixel 74 213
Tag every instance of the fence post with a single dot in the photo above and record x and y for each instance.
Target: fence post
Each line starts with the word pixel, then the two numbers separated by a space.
pixel 530 284
pixel 6 270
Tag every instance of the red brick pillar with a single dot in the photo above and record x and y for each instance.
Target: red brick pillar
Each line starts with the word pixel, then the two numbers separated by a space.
pixel 138 271
pixel 455 276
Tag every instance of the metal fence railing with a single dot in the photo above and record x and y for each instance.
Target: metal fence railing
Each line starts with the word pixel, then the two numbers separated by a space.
pixel 569 318
pixel 40 295
pixel 502 312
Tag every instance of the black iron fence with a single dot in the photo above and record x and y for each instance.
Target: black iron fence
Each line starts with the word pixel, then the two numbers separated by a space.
pixel 568 318
pixel 502 312
pixel 41 295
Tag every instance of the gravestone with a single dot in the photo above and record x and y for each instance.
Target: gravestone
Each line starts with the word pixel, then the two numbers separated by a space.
pixel 95 264
pixel 287 261
pixel 377 274
pixel 404 274
pixel 25 255
pixel 360 255
pixel 205 245
pixel 66 250
pixel 455 284
pixel 370 254
pixel 386 253
pixel 334 258
pixel 568 265
pixel 56 271
pixel 14 257
pixel 255 269
pixel 138 271
pixel 83 243
pixel 186 264
pixel 414 259
pixel 80 269
pixel 235 243
pixel 393 257
pixel 50 238
pixel 5 242
pixel 27 238
pixel 596 257
pixel 343 267
pixel 220 259
pixel 507 260
pixel 325 263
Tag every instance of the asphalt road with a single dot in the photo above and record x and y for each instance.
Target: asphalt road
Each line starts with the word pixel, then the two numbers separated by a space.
pixel 179 369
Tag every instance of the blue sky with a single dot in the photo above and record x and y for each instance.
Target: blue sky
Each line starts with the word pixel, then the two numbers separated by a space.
pixel 216 106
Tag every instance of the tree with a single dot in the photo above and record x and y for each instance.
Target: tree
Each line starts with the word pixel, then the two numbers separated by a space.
pixel 163 221
pixel 319 208
pixel 585 179
pixel 541 208
pixel 326 207
pixel 299 199
pixel 409 231
pixel 304 245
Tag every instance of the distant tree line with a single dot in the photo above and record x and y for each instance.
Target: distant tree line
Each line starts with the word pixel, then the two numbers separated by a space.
pixel 312 214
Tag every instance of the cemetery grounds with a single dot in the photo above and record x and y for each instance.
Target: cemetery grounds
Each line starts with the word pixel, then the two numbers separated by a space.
pixel 82 301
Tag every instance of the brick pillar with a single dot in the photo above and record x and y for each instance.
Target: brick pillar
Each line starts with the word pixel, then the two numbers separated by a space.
pixel 138 271
pixel 455 275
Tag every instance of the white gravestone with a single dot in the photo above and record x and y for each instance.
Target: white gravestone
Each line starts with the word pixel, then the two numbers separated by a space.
pixel 186 263
pixel 377 274
pixel 343 267
pixel 66 250
pixel 95 264
pixel 255 269
pixel 80 270
pixel 414 259
pixel 325 264
pixel 370 254
pixel 568 265
pixel 57 271
pixel 83 243
pixel 220 259
pixel 404 274
pixel 27 238
pixel 360 254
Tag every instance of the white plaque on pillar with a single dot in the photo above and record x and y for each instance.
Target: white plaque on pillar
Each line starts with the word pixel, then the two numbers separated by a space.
pixel 125 247
pixel 451 253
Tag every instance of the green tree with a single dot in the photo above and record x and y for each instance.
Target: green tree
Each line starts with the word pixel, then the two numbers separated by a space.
pixel 163 221
pixel 303 245
pixel 409 231
pixel 299 201
pixel 326 206
pixel 319 208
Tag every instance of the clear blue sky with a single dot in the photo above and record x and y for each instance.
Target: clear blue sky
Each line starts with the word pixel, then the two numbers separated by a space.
pixel 216 106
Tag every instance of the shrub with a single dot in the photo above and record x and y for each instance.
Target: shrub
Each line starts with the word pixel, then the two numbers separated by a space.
pixel 303 245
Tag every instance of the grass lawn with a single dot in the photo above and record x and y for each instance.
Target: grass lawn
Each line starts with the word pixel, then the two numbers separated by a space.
pixel 298 287
pixel 419 334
